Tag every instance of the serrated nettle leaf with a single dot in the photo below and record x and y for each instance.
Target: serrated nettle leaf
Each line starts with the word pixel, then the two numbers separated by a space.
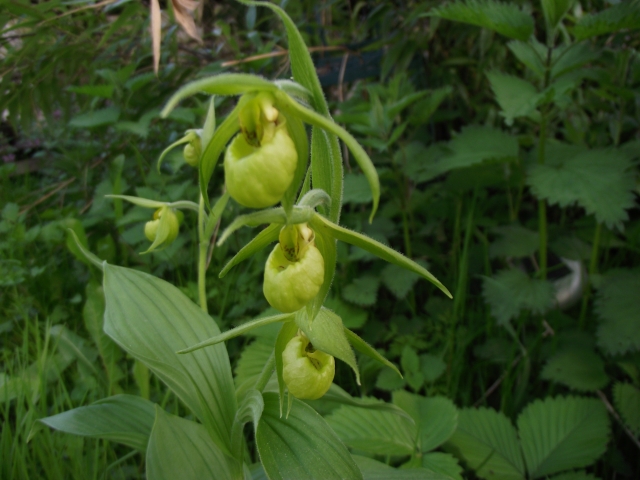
pixel 530 54
pixel 363 347
pixel 562 433
pixel 239 330
pixel 362 290
pixel 435 417
pixel 399 280
pixel 124 419
pixel 597 180
pixel 515 241
pixel 260 241
pixel 504 18
pixel 487 441
pixel 409 360
pixel 302 446
pixel 389 380
pixel 373 431
pixel 326 333
pixel 356 189
pixel 511 291
pixel 180 448
pixel 578 368
pixel 352 317
pixel 566 58
pixel 320 223
pixel 627 400
pixel 554 10
pixel 516 97
pixel 151 319
pixel 624 15
pixel 616 304
pixel 475 144
pixel 432 367
pixel 223 84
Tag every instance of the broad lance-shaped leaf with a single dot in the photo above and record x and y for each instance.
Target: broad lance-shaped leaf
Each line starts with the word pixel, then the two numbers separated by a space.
pixel 562 433
pixel 180 448
pixel 124 419
pixel 504 18
pixel 239 330
pixel 488 443
pixel 326 333
pixel 302 446
pixel 374 431
pixel 151 319
pixel 319 223
pixel 223 84
pixel 361 157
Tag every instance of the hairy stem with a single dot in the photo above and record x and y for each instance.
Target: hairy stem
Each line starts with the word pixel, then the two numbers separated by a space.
pixel 202 257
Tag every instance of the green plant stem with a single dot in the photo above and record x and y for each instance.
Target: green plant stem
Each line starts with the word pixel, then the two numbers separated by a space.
pixel 202 257
pixel 266 373
pixel 593 269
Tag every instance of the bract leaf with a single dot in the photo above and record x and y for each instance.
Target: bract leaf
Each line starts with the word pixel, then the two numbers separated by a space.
pixel 373 431
pixel 360 156
pixel 126 419
pixel 151 319
pixel 505 18
pixel 180 448
pixel 212 150
pixel 326 244
pixel 302 446
pixel 260 241
pixel 239 330
pixel 223 84
pixel 298 134
pixel 326 333
pixel 366 349
pixel 562 433
pixel 270 215
pixel 487 441
pixel 320 223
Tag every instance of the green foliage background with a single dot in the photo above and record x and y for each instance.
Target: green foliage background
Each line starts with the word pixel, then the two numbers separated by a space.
pixel 475 132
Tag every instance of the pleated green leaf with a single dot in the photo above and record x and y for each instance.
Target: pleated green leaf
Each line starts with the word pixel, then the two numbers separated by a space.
pixel 124 419
pixel 373 470
pixel 562 433
pixel 443 463
pixel 302 446
pixel 373 431
pixel 180 448
pixel 487 441
pixel 151 319
pixel 505 18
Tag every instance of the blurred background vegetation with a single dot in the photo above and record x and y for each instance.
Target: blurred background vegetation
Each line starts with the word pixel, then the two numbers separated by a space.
pixel 80 103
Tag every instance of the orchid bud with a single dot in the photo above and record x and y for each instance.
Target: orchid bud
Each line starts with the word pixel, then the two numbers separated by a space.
pixel 294 271
pixel 193 149
pixel 307 372
pixel 166 223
